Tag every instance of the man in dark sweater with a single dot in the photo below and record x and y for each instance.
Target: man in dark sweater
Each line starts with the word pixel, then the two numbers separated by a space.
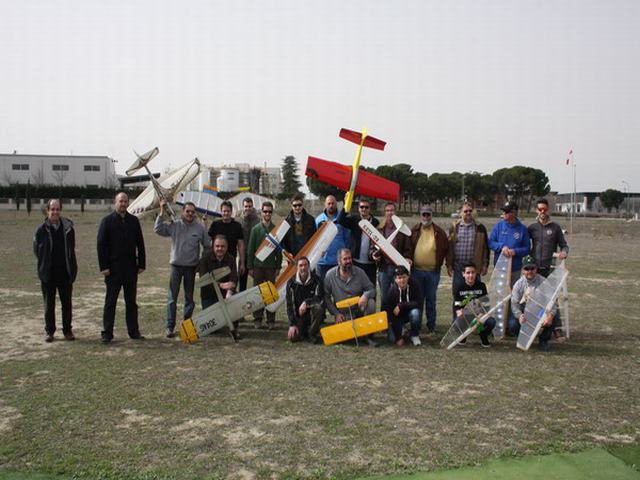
pixel 403 302
pixel 471 289
pixel 303 226
pixel 304 303
pixel 121 256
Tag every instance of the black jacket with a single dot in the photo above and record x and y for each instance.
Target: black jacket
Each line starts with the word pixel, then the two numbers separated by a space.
pixel 43 247
pixel 350 221
pixel 310 292
pixel 407 300
pixel 121 245
pixel 308 224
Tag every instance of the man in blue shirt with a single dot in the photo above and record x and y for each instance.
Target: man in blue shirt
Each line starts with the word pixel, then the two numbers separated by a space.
pixel 510 237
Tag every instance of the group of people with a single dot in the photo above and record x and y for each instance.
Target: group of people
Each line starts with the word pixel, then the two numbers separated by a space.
pixel 350 267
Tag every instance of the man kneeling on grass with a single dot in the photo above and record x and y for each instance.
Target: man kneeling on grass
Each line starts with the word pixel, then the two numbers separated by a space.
pixel 464 293
pixel 402 303
pixel 522 290
pixel 304 303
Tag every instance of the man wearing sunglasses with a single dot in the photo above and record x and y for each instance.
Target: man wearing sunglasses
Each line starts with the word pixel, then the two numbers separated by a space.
pixel 248 219
pixel 303 226
pixel 187 235
pixel 547 238
pixel 361 241
pixel 427 249
pixel 267 270
pixel 468 243
pixel 522 291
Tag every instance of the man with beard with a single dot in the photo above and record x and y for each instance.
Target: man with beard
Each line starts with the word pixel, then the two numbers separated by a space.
pixel 341 240
pixel 217 257
pixel 121 256
pixel 304 303
pixel 361 241
pixel 345 281
pixel 427 248
pixel 303 226
pixel 248 220
pixel 547 238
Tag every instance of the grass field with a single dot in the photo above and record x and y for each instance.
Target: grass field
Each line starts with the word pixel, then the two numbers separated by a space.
pixel 268 409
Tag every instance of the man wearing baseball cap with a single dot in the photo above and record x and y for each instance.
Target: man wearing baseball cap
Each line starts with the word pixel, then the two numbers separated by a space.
pixel 510 237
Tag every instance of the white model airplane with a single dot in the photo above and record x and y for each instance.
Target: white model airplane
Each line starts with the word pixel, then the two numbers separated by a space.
pixel 226 310
pixel 206 203
pixel 313 250
pixel 540 304
pixel 383 243
pixel 478 310
pixel 272 241
pixel 164 188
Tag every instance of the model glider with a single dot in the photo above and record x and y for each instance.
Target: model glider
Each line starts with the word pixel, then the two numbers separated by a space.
pixel 226 310
pixel 205 203
pixel 384 243
pixel 353 328
pixel 164 188
pixel 476 312
pixel 539 304
pixel 258 200
pixel 499 287
pixel 313 250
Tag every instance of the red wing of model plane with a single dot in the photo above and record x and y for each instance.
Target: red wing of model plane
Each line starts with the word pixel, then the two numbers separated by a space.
pixel 338 175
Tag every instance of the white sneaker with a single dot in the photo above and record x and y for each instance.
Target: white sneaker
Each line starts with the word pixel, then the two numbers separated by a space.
pixel 415 341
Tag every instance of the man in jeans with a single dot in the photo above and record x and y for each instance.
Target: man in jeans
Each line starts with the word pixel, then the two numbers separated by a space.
pixel 427 248
pixel 187 236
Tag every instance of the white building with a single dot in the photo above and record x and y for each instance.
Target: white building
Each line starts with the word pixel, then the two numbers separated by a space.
pixel 67 170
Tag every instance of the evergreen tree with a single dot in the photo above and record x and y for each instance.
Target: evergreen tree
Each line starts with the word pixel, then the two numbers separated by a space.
pixel 290 183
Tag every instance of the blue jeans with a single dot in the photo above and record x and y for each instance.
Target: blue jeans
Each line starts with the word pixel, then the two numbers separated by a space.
pixel 385 279
pixel 186 275
pixel 428 281
pixel 413 316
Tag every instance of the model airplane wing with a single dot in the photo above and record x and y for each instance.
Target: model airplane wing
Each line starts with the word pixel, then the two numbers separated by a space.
pixel 539 304
pixel 313 250
pixel 258 200
pixel 272 240
pixel 338 175
pixel 205 203
pixel 401 227
pixel 360 327
pixel 384 244
pixel 142 160
pixel 169 186
pixel 499 287
pixel 476 312
pixel 226 311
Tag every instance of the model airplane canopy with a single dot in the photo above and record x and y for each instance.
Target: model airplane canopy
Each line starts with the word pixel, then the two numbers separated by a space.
pixel 540 303
pixel 338 175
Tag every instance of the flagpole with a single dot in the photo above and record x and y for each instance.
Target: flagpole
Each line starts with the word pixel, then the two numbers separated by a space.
pixel 572 195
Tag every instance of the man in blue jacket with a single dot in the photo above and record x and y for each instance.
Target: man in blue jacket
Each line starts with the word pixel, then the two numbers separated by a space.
pixel 510 237
pixel 340 241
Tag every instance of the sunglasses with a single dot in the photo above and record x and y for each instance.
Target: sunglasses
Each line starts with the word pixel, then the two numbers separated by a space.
pixel 364 207
pixel 296 205
pixel 543 209
pixel 467 211
pixel 529 269
pixel 425 214
pixel 267 211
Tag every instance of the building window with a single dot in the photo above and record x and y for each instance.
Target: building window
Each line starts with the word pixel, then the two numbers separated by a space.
pixel 92 168
pixel 61 168
pixel 20 166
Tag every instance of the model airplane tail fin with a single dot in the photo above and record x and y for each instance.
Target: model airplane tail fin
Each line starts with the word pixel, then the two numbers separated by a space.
pixel 142 160
pixel 210 277
pixel 356 137
pixel 401 226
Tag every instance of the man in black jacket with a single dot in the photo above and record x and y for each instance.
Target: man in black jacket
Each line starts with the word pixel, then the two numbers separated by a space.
pixel 403 302
pixel 121 256
pixel 54 245
pixel 303 226
pixel 361 242
pixel 304 303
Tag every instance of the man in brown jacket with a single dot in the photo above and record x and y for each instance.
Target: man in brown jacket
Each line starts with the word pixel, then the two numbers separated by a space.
pixel 468 242
pixel 427 249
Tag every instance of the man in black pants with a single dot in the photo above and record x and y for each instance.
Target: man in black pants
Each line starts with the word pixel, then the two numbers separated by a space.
pixel 54 246
pixel 121 256
pixel 361 242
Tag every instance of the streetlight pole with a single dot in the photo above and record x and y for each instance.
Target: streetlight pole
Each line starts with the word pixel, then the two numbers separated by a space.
pixel 626 189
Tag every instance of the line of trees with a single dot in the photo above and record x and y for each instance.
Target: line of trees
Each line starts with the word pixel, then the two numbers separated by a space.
pixel 519 183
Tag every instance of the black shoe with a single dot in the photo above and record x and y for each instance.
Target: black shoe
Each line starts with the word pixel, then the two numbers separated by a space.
pixel 484 341
pixel 543 346
pixel 48 337
pixel 170 333
pixel 106 340
pixel 69 336
pixel 137 337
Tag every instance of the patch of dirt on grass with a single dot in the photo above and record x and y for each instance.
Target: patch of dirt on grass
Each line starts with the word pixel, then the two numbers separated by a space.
pixel 242 474
pixel 133 418
pixel 7 415
pixel 242 436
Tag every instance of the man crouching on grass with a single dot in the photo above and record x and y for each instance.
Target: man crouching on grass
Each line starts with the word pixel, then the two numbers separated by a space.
pixel 471 289
pixel 304 303
pixel 403 302
pixel 522 290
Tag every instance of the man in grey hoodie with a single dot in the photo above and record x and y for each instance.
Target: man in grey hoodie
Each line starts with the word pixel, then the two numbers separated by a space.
pixel 187 235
